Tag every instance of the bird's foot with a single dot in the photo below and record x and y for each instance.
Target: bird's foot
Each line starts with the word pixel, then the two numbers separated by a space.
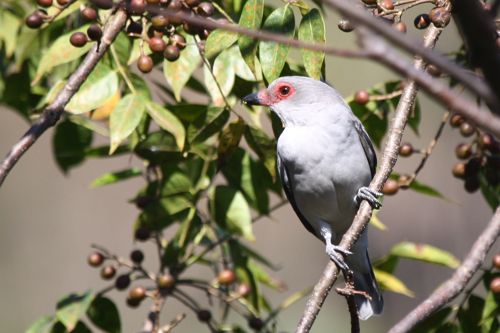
pixel 365 193
pixel 336 254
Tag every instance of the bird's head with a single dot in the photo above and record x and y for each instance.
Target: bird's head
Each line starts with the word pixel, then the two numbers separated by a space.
pixel 294 98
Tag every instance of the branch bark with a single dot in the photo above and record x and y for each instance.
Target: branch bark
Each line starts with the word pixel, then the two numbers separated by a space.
pixel 53 112
pixel 362 218
pixel 456 284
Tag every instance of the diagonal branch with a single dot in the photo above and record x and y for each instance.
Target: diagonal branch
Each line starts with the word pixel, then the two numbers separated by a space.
pixel 362 218
pixel 53 112
pixel 456 284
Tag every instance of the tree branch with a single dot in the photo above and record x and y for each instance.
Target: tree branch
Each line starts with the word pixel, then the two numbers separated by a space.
pixel 362 218
pixel 456 284
pixel 53 112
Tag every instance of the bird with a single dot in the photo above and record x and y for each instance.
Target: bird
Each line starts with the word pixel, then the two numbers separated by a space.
pixel 326 160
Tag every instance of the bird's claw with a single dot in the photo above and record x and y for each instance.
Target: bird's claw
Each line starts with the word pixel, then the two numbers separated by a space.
pixel 336 254
pixel 365 193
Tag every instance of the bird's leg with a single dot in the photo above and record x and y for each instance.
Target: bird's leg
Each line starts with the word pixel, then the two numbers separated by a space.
pixel 336 253
pixel 365 193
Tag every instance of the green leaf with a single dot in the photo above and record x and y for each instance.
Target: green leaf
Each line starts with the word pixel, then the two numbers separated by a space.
pixel 264 147
pixel 9 27
pixel 159 147
pixel 251 18
pixel 220 79
pixel 207 124
pixel 69 144
pixel 425 189
pixel 470 317
pixel 178 72
pixel 79 328
pixel 100 87
pixel 389 282
pixel 377 223
pixel 230 210
pixel 60 52
pixel 312 30
pixel 168 121
pixel 42 325
pixel 218 41
pixel 104 314
pixel 491 311
pixel 71 308
pixel 114 177
pixel 433 322
pixel 374 120
pixel 273 55
pixel 425 252
pixel 229 139
pixel 125 118
pixel 490 189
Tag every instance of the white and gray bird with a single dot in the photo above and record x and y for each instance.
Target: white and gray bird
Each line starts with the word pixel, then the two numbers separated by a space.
pixel 326 161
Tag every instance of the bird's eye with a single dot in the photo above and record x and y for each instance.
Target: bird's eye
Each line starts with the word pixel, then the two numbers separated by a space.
pixel 284 90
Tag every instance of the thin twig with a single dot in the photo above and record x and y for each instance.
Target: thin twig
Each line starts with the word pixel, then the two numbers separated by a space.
pixel 456 284
pixel 173 323
pixel 53 112
pixel 389 157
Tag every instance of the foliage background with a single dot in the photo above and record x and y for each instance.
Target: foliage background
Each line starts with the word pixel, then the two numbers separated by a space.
pixel 48 221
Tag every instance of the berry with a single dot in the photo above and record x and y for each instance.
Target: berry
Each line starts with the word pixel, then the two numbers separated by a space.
pixel 400 26
pixel 134 28
pixel 137 7
pixel 145 64
pixel 142 234
pixel 102 4
pixel 472 167
pixel 204 316
pixel 255 323
pixel 467 129
pixel 122 282
pixel 406 149
pixel 143 201
pixel 440 17
pixel 171 53
pixel 496 261
pixel 44 3
pixel 370 2
pixel 495 285
pixel 157 44
pixel 422 21
pixel 137 293
pixel 361 97
pixel 133 303
pixel 433 70
pixel 159 21
pixel 387 4
pixel 191 29
pixel 165 281
pixel 487 142
pixel 175 5
pixel 35 20
pixel 345 25
pixel 456 120
pixel 94 32
pixel 78 39
pixel 391 187
pixel 137 256
pixel 108 272
pixel 192 3
pixel 226 277
pixel 404 181
pixel 153 2
pixel 463 151
pixel 459 170
pixel 178 40
pixel 62 2
pixel 472 184
pixel 206 9
pixel 95 259
pixel 89 14
pixel 244 289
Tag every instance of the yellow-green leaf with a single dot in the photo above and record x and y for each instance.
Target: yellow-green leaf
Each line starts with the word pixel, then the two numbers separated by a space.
pixel 273 55
pixel 312 30
pixel 71 308
pixel 375 221
pixel 218 41
pixel 9 26
pixel 168 121
pixel 425 252
pixel 251 18
pixel 114 177
pixel 125 118
pixel 389 282
pixel 222 79
pixel 178 72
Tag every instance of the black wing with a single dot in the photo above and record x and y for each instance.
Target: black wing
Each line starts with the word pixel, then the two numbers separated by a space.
pixel 367 144
pixel 287 187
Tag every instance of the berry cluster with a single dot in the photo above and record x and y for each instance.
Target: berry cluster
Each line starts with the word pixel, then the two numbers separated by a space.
pixel 148 19
pixel 495 282
pixel 480 155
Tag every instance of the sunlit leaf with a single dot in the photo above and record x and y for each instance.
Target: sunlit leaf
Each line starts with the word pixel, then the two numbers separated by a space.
pixel 42 325
pixel 104 314
pixel 251 18
pixel 218 41
pixel 425 252
pixel 71 308
pixel 100 87
pixel 273 55
pixel 114 177
pixel 312 30
pixel 377 223
pixel 389 282
pixel 178 72
pixel 230 210
pixel 425 189
pixel 491 312
pixel 69 143
pixel 168 121
pixel 125 118
pixel 9 26
pixel 220 80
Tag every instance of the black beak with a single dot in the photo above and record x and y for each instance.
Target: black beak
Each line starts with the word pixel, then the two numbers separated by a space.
pixel 252 99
